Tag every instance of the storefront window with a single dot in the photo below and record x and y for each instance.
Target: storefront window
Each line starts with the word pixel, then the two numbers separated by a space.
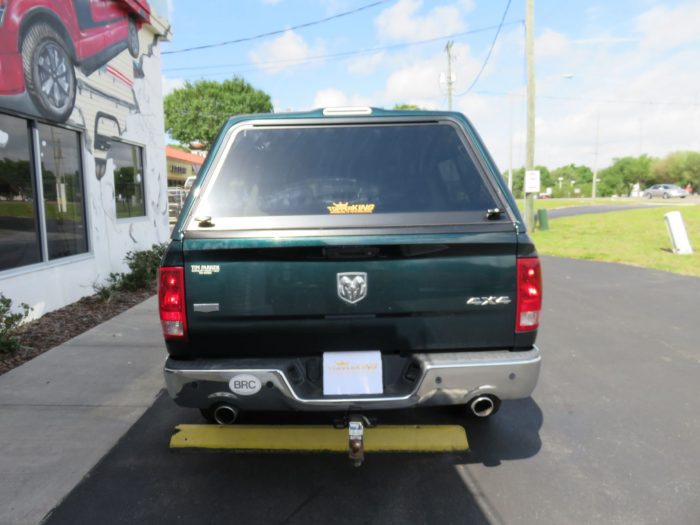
pixel 19 235
pixel 61 176
pixel 32 231
pixel 128 179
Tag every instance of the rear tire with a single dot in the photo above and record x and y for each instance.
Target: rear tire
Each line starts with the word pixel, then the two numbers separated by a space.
pixel 49 73
pixel 665 195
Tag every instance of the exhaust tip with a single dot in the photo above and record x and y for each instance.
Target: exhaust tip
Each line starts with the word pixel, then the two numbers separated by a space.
pixel 225 414
pixel 482 406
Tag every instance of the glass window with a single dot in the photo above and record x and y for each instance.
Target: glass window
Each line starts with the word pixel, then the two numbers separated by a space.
pixel 345 169
pixel 128 179
pixel 61 176
pixel 19 236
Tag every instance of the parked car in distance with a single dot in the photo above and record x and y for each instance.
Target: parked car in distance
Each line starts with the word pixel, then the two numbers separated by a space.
pixel 349 259
pixel 665 191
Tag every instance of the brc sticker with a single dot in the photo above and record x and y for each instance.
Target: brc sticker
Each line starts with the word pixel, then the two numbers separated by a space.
pixel 245 384
pixel 345 207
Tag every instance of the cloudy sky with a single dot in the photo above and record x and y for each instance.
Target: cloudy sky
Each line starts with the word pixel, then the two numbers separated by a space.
pixel 629 68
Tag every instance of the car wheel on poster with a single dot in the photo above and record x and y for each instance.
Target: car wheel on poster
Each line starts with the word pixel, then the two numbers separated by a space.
pixel 133 39
pixel 49 73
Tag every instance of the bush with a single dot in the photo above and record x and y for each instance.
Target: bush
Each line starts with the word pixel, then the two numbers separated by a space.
pixel 143 266
pixel 10 323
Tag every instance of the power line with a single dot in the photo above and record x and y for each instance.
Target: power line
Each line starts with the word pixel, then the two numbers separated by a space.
pixel 488 55
pixel 642 102
pixel 278 31
pixel 344 54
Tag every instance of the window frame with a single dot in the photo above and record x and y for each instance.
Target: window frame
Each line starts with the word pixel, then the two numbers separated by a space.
pixel 39 204
pixel 142 150
pixel 268 225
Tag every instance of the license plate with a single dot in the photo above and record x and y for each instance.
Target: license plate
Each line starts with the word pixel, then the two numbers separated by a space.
pixel 348 373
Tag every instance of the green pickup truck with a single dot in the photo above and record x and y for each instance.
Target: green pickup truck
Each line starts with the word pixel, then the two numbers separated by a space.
pixel 349 259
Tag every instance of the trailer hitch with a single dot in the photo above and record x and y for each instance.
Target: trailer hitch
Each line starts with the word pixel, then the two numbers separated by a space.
pixel 356 425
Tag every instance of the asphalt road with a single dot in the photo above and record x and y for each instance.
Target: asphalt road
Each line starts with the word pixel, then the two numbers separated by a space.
pixel 609 436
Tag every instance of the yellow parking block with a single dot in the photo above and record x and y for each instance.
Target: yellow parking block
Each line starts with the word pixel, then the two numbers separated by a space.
pixel 317 438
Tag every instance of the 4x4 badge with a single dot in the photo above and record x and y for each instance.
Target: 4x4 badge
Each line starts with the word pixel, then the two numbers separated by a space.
pixel 352 286
pixel 489 301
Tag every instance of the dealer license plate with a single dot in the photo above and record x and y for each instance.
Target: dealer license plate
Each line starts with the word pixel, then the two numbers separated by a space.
pixel 349 373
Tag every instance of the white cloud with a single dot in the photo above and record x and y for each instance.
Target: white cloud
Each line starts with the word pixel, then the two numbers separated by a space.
pixel 366 65
pixel 333 97
pixel 283 52
pixel 170 84
pixel 467 5
pixel 664 28
pixel 330 97
pixel 604 40
pixel 421 79
pixel 402 21
pixel 271 2
pixel 551 44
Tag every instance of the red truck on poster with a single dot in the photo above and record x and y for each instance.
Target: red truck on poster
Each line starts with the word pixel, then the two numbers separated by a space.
pixel 42 42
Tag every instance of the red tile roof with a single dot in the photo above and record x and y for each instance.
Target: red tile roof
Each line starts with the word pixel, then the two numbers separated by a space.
pixel 178 154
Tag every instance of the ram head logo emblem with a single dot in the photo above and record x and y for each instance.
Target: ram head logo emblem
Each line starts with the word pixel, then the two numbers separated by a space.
pixel 352 286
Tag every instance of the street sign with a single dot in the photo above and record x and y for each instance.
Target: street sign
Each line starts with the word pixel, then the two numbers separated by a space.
pixel 532 181
pixel 678 233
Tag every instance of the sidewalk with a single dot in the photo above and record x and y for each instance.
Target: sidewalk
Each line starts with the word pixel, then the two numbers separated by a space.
pixel 62 411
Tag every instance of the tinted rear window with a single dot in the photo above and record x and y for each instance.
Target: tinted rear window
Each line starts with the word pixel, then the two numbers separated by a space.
pixel 347 170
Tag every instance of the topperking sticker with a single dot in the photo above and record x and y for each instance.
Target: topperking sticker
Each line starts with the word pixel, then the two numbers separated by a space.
pixel 344 207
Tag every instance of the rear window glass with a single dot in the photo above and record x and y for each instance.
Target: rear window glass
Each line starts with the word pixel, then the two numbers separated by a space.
pixel 347 170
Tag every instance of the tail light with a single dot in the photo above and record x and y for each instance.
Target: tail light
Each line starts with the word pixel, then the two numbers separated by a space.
pixel 529 295
pixel 171 302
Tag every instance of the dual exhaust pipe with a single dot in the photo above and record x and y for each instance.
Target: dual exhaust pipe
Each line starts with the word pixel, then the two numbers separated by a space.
pixel 482 406
pixel 225 414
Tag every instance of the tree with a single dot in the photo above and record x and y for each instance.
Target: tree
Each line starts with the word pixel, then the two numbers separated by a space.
pixel 519 180
pixel 566 179
pixel 409 107
pixel 195 112
pixel 624 172
pixel 680 167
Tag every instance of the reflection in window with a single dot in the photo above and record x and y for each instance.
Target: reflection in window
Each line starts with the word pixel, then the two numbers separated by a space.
pixel 63 191
pixel 128 179
pixel 19 237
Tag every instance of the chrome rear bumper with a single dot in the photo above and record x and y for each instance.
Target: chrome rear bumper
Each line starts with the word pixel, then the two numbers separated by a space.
pixel 440 379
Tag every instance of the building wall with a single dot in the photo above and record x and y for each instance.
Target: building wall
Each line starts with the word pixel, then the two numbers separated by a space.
pixel 179 170
pixel 117 106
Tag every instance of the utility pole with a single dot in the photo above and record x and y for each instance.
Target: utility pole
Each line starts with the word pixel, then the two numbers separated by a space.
pixel 510 149
pixel 530 157
pixel 595 158
pixel 448 48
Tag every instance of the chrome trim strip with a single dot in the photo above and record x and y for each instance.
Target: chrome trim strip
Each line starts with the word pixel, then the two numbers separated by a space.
pixel 205 307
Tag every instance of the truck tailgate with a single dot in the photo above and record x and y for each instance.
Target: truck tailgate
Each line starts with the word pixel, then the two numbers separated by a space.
pixel 256 297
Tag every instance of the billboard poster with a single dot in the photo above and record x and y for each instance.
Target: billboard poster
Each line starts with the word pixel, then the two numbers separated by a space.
pixel 64 61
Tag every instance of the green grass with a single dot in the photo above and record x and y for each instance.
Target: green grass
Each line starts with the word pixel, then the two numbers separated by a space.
pixel 636 237
pixel 25 209
pixel 16 209
pixel 568 203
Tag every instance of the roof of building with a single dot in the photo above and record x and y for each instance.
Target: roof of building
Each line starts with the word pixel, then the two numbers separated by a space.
pixel 178 154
